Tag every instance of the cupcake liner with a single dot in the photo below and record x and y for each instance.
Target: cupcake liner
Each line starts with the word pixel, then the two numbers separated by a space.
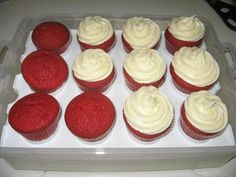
pixel 145 137
pixel 184 86
pixel 192 131
pixel 127 47
pixel 43 133
pixel 173 44
pixel 106 46
pixel 98 86
pixel 101 137
pixel 133 85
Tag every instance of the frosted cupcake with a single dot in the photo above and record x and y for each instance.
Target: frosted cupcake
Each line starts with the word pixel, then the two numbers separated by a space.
pixel 139 32
pixel 144 67
pixel 184 31
pixel 203 115
pixel 194 69
pixel 96 33
pixel 93 70
pixel 148 114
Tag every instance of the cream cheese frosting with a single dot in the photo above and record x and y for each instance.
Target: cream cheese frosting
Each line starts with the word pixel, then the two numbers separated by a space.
pixel 92 65
pixel 94 30
pixel 145 65
pixel 141 32
pixel 196 66
pixel 206 111
pixel 148 110
pixel 187 28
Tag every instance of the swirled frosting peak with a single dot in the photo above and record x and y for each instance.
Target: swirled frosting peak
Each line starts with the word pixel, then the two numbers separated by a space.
pixel 141 32
pixel 94 30
pixel 196 66
pixel 148 110
pixel 145 65
pixel 206 111
pixel 92 65
pixel 187 28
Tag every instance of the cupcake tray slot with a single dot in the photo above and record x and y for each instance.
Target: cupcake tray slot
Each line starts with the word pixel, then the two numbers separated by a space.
pixel 119 136
pixel 119 151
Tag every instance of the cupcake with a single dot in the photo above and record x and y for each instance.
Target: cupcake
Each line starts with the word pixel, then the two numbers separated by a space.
pixel 184 32
pixel 93 70
pixel 203 115
pixel 44 71
pixel 96 33
pixel 148 114
pixel 144 67
pixel 193 69
pixel 90 116
pixel 140 32
pixel 52 37
pixel 35 116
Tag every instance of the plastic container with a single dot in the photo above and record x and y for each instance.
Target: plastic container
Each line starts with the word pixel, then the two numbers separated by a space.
pixel 119 152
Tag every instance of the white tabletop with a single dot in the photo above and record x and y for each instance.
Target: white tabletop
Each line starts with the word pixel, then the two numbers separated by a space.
pixel 12 12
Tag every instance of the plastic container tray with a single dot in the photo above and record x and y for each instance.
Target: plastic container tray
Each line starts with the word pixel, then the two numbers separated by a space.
pixel 119 151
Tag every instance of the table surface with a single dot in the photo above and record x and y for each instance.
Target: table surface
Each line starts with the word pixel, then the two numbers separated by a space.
pixel 13 11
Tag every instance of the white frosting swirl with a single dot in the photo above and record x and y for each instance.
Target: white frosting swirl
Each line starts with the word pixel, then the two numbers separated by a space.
pixel 145 65
pixel 93 65
pixel 196 66
pixel 187 28
pixel 95 30
pixel 148 110
pixel 206 111
pixel 141 32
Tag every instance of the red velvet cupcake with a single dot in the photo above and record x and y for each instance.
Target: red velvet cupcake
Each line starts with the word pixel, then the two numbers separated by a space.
pixel 148 114
pixel 140 32
pixel 35 116
pixel 44 71
pixel 184 32
pixel 94 71
pixel 52 37
pixel 144 67
pixel 203 116
pixel 96 33
pixel 193 69
pixel 90 116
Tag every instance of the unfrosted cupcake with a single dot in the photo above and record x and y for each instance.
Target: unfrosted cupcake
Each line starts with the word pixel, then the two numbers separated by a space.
pixel 148 113
pixel 44 71
pixel 90 116
pixel 194 69
pixel 96 33
pixel 203 115
pixel 51 36
pixel 184 31
pixel 139 32
pixel 93 70
pixel 144 67
pixel 35 116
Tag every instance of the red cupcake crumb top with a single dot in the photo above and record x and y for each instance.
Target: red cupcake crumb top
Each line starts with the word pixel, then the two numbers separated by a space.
pixel 44 71
pixel 33 113
pixel 51 36
pixel 90 115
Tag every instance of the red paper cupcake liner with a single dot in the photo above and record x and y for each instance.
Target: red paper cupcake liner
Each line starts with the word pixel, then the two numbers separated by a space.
pixel 191 130
pixel 133 85
pixel 145 137
pixel 128 48
pixel 173 44
pixel 98 86
pixel 106 46
pixel 43 133
pixel 184 86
